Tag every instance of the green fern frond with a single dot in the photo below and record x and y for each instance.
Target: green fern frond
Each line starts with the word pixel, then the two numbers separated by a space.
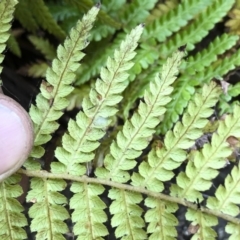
pixel 137 132
pixel 203 224
pixel 44 18
pixel 25 17
pixel 226 199
pixel 52 99
pixel 196 70
pixel 43 46
pixel 137 11
pixel 205 163
pixel 103 17
pixel 7 8
pixel 161 9
pixel 13 46
pixel 38 69
pixel 91 67
pixel 209 55
pixel 127 214
pixel 233 230
pixel 199 28
pixel 47 211
pixel 88 216
pixel 170 155
pixel 160 219
pixel 98 108
pixel 175 19
pixel 12 220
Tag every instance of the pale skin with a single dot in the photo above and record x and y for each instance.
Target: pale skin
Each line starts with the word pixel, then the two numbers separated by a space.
pixel 16 136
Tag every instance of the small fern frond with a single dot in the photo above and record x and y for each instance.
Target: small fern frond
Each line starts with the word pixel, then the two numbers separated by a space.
pixel 103 17
pixel 161 221
pixel 25 17
pixel 137 133
pixel 170 155
pixel 204 165
pixel 91 67
pixel 127 214
pixel 6 16
pixel 38 69
pixel 233 230
pixel 43 46
pixel 89 215
pixel 47 211
pixel 209 55
pixel 137 11
pixel 13 46
pixel 161 9
pixel 52 99
pixel 227 196
pixel 203 223
pixel 12 220
pixel 175 19
pixel 193 75
pixel 44 18
pixel 199 28
pixel 98 108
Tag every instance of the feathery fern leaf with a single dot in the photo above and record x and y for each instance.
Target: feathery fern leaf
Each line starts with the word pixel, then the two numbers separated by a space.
pixel 6 16
pixel 25 17
pixel 175 19
pixel 43 46
pixel 137 132
pixel 98 108
pixel 44 18
pixel 48 212
pixel 227 196
pixel 205 163
pixel 12 220
pixel 195 32
pixel 185 87
pixel 52 99
pixel 13 46
pixel 89 215
pixel 168 156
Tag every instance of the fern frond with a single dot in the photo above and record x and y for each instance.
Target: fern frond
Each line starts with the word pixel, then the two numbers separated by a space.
pixel 91 67
pixel 13 46
pixel 233 230
pixel 12 220
pixel 161 9
pixel 52 99
pixel 38 69
pixel 89 215
pixel 161 220
pixel 47 211
pixel 205 163
pixel 227 196
pixel 205 69
pixel 137 132
pixel 98 108
pixel 43 46
pixel 44 18
pixel 7 8
pixel 234 22
pixel 103 17
pixel 203 224
pixel 137 11
pixel 199 28
pixel 209 55
pixel 170 155
pixel 175 19
pixel 127 214
pixel 25 17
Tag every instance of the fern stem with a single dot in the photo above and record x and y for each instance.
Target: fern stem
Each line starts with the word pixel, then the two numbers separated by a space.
pixel 160 196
